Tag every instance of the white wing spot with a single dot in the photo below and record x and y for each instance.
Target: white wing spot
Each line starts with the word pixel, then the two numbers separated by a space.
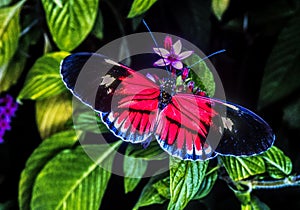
pixel 107 80
pixel 227 123
pixel 111 62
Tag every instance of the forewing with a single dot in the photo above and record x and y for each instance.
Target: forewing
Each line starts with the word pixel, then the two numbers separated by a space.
pixel 197 128
pixel 126 99
pixel 244 132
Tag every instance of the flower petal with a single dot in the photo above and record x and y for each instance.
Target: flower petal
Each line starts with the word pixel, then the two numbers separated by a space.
pixel 168 43
pixel 161 52
pixel 177 64
pixel 161 62
pixel 177 47
pixel 184 55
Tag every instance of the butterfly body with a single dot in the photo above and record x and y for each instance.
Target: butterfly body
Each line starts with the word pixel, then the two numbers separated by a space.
pixel 135 108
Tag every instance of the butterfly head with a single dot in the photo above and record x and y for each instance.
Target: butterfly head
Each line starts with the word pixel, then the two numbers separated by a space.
pixel 167 90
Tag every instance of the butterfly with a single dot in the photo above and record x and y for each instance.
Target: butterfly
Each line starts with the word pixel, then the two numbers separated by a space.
pixel 137 107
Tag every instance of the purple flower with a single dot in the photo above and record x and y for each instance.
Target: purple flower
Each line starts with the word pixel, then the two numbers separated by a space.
pixel 172 55
pixel 4 125
pixel 7 110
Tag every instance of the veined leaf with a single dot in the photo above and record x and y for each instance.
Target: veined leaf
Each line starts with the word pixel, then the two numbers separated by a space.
pixel 152 152
pixel 282 68
pixel 139 7
pixel 163 187
pixel 76 181
pixel 135 162
pixel 206 185
pixel 71 21
pixel 278 165
pixel 41 155
pixel 201 74
pixel 134 169
pixel 150 194
pixel 13 70
pixel 240 168
pixel 219 7
pixel 52 114
pixel 185 180
pixel 9 32
pixel 43 79
pixel 87 119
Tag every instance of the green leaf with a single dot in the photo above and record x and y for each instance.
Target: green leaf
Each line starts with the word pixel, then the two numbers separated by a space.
pixel 76 181
pixel 201 74
pixel 219 7
pixel 134 169
pixel 240 168
pixel 282 68
pixel 139 7
pixel 256 204
pixel 185 180
pixel 163 187
pixel 41 155
pixel 70 22
pixel 136 162
pixel 278 165
pixel 98 26
pixel 86 119
pixel 152 152
pixel 243 194
pixel 291 115
pixel 14 69
pixel 150 194
pixel 9 32
pixel 53 113
pixel 43 79
pixel 206 185
pixel 5 2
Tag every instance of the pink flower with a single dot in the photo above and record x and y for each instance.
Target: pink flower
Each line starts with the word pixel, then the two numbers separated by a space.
pixel 172 55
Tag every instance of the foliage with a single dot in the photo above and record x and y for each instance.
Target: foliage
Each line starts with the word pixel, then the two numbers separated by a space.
pixel 58 174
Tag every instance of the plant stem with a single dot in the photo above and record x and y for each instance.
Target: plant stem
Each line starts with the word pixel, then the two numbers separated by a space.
pixel 290 181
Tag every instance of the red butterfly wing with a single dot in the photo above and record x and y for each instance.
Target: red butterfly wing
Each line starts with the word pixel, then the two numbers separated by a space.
pixel 134 108
pixel 183 126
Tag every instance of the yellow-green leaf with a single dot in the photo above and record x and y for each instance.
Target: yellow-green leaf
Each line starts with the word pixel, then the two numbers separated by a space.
pixel 185 180
pixel 139 7
pixel 240 168
pixel 219 7
pixel 70 21
pixel 9 32
pixel 43 79
pixel 150 195
pixel 53 113
pixel 76 181
pixel 41 155
pixel 278 165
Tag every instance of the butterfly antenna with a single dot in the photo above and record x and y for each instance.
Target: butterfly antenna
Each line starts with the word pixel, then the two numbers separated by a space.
pixel 218 52
pixel 154 40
